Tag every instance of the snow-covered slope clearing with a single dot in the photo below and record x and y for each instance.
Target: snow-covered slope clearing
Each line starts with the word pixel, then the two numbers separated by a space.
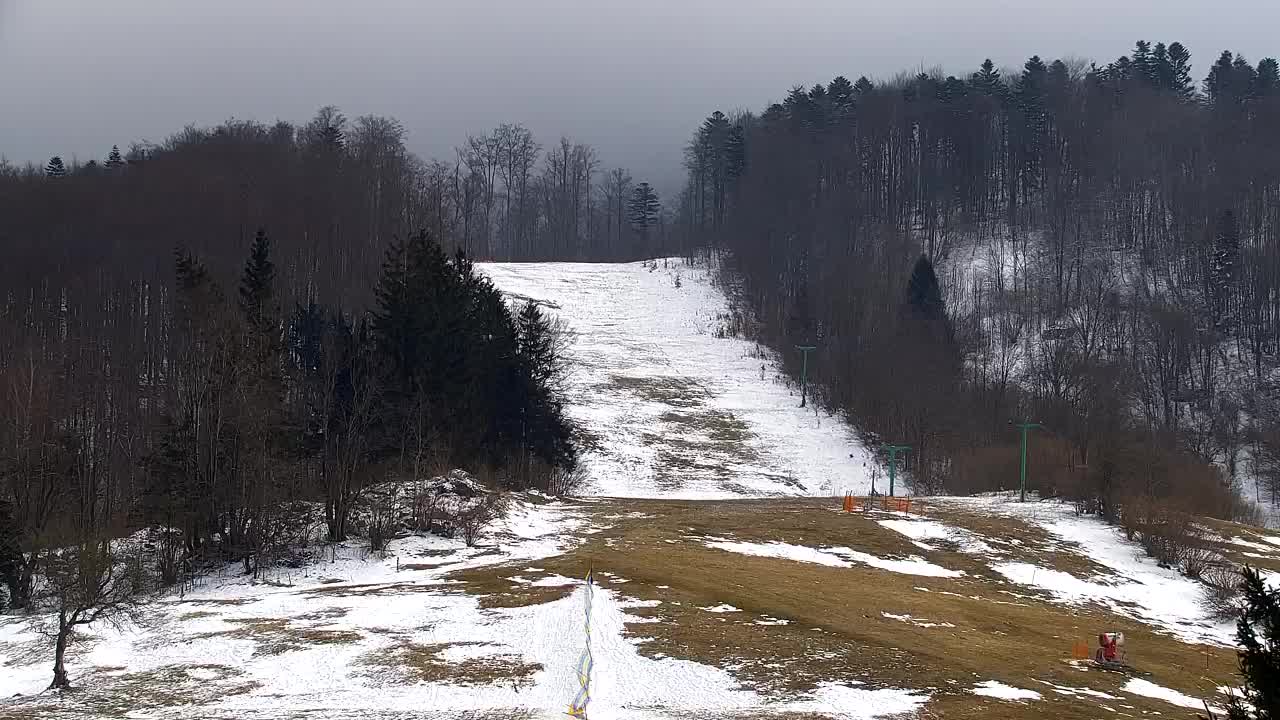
pixel 670 409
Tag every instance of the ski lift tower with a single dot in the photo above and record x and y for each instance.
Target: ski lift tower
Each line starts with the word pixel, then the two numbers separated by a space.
pixel 804 369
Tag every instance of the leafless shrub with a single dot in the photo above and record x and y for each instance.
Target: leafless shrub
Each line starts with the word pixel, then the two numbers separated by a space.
pixel 426 509
pixel 1197 559
pixel 170 553
pixel 565 481
pixel 384 513
pixel 1223 581
pixel 474 518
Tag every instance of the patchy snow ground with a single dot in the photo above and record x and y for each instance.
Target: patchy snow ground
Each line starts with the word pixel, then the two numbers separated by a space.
pixel 916 621
pixel 1135 585
pixel 342 638
pixel 928 534
pixel 1146 688
pixel 673 410
pixel 992 688
pixel 833 557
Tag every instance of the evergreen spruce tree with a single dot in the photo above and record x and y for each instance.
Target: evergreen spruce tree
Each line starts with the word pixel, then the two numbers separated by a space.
pixel 11 560
pixel 840 90
pixel 1222 271
pixel 333 137
pixel 1267 81
pixel 644 209
pixel 1162 68
pixel 1120 72
pixel 56 168
pixel 1244 78
pixel 735 150
pixel 987 79
pixel 863 86
pixel 924 297
pixel 264 348
pixel 257 286
pixel 1180 67
pixel 1031 101
pixel 1258 633
pixel 1144 64
pixel 546 432
pixel 1219 84
pixel 114 160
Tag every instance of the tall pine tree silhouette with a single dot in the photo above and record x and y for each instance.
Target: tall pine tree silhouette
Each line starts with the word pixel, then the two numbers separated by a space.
pixel 923 294
pixel 1222 271
pixel 114 160
pixel 1258 633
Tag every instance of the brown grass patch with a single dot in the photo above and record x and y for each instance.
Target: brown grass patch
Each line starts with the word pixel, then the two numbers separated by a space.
pixel 679 392
pixel 197 614
pixel 414 662
pixel 274 636
pixel 331 613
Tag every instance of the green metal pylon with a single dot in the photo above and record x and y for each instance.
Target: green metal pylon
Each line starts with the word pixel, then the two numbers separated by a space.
pixel 893 462
pixel 1022 480
pixel 804 369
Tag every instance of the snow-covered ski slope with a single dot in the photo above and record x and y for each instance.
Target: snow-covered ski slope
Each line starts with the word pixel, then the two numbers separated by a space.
pixel 670 409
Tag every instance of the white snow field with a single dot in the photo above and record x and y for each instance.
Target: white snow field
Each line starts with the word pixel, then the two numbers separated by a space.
pixel 673 410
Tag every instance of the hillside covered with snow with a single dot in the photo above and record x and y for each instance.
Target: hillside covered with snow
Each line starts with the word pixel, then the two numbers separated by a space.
pixel 670 406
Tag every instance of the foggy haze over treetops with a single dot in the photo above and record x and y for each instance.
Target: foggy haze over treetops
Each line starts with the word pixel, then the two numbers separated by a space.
pixel 632 79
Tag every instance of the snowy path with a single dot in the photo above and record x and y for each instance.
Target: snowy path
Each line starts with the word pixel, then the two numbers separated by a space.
pixel 674 411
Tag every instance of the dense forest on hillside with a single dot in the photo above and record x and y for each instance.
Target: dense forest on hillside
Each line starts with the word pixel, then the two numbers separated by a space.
pixel 205 335
pixel 1093 248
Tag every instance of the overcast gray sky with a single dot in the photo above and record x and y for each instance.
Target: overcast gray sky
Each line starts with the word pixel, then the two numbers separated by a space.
pixel 631 78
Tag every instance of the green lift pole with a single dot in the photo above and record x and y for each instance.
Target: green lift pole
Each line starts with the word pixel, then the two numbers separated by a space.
pixel 804 369
pixel 1022 482
pixel 893 462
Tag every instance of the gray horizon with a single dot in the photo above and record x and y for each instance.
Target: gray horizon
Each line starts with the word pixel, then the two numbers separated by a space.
pixel 77 76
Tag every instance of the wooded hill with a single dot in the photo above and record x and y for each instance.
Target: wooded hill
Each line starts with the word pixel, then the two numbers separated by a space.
pixel 222 334
pixel 1096 248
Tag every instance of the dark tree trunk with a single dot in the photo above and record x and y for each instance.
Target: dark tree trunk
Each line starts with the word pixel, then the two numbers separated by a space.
pixel 60 680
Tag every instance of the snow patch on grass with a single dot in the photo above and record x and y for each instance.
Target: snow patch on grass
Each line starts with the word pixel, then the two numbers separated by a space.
pixel 1134 585
pixel 1074 691
pixel 910 566
pixel 932 531
pixel 855 703
pixel 833 557
pixel 916 621
pixel 1146 688
pixel 992 688
pixel 781 550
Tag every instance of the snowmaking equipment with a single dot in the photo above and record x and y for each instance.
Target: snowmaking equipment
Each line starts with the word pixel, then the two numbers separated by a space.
pixel 1110 654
